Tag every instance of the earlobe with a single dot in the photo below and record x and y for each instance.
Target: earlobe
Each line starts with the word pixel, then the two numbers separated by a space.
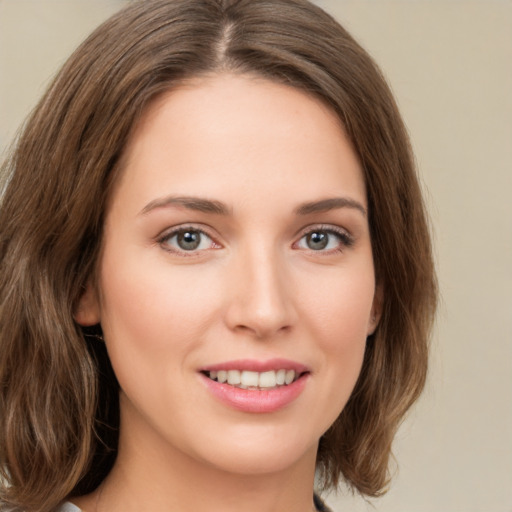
pixel 87 311
pixel 376 311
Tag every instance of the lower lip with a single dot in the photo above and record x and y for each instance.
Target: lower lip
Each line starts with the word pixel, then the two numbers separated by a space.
pixel 256 400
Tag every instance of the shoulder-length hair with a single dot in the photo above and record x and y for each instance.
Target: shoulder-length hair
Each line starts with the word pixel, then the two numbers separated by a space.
pixel 58 395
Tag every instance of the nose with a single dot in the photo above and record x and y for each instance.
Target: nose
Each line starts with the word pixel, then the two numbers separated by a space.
pixel 261 300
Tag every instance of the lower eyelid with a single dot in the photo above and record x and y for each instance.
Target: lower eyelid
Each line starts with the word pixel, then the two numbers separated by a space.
pixel 164 239
pixel 345 239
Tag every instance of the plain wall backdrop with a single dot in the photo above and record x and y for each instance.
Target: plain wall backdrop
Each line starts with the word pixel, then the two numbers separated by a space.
pixel 449 63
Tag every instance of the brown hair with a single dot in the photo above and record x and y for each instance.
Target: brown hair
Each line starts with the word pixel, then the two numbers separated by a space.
pixel 58 395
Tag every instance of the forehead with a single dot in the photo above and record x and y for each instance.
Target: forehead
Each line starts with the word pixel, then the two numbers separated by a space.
pixel 214 132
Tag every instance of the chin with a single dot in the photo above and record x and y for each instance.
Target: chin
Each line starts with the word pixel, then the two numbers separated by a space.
pixel 253 452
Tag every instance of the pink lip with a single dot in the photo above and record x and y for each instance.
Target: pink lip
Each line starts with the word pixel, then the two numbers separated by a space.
pixel 257 400
pixel 257 366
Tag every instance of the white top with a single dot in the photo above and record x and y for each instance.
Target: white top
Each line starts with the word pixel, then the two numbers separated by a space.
pixel 68 507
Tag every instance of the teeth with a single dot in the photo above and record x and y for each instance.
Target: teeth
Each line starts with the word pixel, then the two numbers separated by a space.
pixel 250 379
pixel 267 380
pixel 233 377
pixel 290 375
pixel 247 379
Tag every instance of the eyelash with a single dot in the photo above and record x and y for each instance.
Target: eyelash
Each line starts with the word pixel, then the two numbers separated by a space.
pixel 168 235
pixel 345 239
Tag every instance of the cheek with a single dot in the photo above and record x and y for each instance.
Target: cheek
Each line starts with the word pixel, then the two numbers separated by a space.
pixel 148 307
pixel 339 306
pixel 154 318
pixel 337 320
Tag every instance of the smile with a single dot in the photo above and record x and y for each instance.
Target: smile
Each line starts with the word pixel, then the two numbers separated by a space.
pixel 256 386
pixel 245 379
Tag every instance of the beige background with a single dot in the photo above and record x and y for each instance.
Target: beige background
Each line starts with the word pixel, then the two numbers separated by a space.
pixel 450 65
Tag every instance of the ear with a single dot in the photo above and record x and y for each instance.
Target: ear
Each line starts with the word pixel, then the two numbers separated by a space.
pixel 87 311
pixel 376 311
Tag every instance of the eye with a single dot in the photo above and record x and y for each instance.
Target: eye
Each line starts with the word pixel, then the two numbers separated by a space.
pixel 325 239
pixel 187 239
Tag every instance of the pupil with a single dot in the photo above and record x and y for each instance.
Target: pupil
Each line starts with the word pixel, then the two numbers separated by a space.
pixel 189 240
pixel 317 241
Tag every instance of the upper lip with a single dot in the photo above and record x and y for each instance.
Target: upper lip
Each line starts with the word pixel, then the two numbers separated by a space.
pixel 255 365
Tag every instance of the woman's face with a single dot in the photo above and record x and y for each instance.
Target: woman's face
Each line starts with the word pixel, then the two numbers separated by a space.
pixel 236 246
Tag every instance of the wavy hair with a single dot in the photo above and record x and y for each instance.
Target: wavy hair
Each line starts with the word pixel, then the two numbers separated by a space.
pixel 59 414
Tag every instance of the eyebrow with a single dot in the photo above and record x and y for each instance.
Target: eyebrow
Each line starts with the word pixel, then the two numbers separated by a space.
pixel 217 207
pixel 333 203
pixel 191 203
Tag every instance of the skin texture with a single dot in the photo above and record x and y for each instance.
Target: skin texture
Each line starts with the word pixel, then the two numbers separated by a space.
pixel 253 289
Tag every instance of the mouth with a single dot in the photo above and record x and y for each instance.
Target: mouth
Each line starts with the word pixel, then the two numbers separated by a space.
pixel 252 380
pixel 254 386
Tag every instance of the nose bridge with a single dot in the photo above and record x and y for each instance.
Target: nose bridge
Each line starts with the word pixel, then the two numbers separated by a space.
pixel 261 301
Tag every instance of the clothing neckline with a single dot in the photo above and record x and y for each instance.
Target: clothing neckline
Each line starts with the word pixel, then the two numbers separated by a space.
pixel 319 506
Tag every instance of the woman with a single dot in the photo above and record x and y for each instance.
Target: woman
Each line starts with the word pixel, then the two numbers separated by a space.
pixel 216 274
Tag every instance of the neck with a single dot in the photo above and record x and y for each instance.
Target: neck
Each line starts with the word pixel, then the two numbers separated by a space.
pixel 151 475
pixel 203 490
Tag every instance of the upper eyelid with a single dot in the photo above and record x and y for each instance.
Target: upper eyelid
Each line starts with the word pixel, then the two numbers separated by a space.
pixel 346 238
pixel 173 230
pixel 206 230
pixel 324 227
pixel 163 238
